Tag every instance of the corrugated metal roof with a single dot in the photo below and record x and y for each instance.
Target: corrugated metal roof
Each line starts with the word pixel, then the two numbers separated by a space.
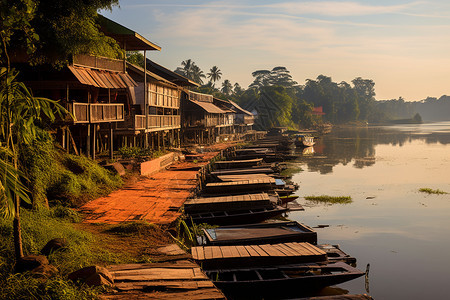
pixel 102 79
pixel 208 107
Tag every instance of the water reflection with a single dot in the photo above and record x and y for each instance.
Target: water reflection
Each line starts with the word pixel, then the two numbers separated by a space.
pixel 357 145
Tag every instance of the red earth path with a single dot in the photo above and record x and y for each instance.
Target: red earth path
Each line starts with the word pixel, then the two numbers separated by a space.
pixel 155 199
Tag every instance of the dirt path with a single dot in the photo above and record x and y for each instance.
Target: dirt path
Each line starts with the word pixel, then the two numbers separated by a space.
pixel 156 199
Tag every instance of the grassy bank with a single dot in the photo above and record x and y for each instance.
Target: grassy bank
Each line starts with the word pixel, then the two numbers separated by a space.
pixel 38 227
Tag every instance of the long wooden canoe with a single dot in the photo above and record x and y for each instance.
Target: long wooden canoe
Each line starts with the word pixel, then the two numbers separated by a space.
pixel 262 233
pixel 239 216
pixel 281 281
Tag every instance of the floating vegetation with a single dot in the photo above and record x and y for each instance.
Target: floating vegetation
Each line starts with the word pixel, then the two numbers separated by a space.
pixel 291 170
pixel 330 199
pixel 431 191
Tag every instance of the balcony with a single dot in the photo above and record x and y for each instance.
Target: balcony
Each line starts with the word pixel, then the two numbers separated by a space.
pixel 155 123
pixel 96 112
pixel 101 63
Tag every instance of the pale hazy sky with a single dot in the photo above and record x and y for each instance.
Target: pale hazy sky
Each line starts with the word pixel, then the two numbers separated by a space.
pixel 404 46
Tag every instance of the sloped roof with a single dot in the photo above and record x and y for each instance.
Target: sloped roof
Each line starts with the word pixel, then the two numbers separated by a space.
pixel 102 78
pixel 208 107
pixel 241 109
pixel 127 38
pixel 140 70
pixel 169 75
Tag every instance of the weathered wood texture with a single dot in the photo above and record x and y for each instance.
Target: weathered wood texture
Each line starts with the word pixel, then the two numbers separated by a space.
pixel 171 280
pixel 257 255
pixel 227 202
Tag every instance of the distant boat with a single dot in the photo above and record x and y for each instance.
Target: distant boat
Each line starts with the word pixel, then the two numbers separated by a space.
pixel 303 140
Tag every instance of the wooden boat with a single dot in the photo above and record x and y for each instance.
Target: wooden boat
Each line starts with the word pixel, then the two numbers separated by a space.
pixel 281 281
pixel 302 140
pixel 261 255
pixel 238 216
pixel 263 233
pixel 246 201
pixel 334 254
pixel 287 199
pixel 253 185
pixel 228 164
pixel 243 171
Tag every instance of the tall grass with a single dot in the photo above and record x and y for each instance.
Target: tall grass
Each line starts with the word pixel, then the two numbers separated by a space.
pixel 38 227
pixel 66 178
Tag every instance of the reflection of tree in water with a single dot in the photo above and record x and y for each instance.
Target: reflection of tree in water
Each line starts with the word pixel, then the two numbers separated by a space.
pixel 357 146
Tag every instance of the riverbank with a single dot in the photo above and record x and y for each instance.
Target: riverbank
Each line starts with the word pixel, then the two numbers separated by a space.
pixel 105 231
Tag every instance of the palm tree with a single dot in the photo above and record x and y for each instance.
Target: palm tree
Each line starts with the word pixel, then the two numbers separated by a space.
pixel 197 74
pixel 187 67
pixel 19 114
pixel 214 75
pixel 227 87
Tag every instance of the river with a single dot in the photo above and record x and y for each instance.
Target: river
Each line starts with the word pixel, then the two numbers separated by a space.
pixel 402 233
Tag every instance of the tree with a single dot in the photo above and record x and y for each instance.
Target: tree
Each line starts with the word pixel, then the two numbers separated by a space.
pixel 53 31
pixel 136 58
pixel 214 75
pixel 191 71
pixel 237 89
pixel 227 87
pixel 20 114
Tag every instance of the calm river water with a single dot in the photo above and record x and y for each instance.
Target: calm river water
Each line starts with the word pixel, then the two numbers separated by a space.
pixel 402 233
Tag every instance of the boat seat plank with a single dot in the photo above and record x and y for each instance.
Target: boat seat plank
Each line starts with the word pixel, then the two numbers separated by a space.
pixel 242 251
pixel 300 249
pixel 260 251
pixel 216 252
pixel 251 251
pixel 227 251
pixel 286 251
pixel 208 253
pixel 272 251
pixel 315 249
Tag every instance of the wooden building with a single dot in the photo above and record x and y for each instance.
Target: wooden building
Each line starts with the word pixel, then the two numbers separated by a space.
pixel 243 120
pixel 202 121
pixel 157 126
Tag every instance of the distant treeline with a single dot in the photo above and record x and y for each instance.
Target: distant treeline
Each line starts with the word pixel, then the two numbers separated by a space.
pixel 278 100
pixel 430 109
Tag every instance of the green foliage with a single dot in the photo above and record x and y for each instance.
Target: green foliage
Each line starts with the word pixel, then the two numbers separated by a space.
pixel 38 227
pixel 52 31
pixel 214 75
pixel 431 191
pixel 191 71
pixel 25 286
pixel 138 152
pixel 136 58
pixel 62 177
pixel 330 199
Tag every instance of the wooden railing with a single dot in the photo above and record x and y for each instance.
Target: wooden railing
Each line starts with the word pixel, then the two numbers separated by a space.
pixel 97 62
pixel 156 121
pixel 200 97
pixel 249 119
pixel 96 112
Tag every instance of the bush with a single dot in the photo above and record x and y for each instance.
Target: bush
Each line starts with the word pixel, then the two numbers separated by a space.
pixel 58 176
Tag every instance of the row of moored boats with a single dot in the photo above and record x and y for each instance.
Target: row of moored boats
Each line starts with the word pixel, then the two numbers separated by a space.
pixel 250 251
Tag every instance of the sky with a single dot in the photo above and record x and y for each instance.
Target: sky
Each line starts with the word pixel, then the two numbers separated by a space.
pixel 403 46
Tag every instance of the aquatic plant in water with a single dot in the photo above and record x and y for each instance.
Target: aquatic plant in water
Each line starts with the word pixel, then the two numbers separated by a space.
pixel 330 199
pixel 431 191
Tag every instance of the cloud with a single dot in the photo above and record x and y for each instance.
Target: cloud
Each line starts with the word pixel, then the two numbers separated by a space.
pixel 340 9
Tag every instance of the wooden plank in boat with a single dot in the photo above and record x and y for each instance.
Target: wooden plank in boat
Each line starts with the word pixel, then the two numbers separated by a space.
pixel 300 248
pixel 251 251
pixel 242 251
pixel 271 250
pixel 207 253
pixel 217 252
pixel 285 250
pixel 260 251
